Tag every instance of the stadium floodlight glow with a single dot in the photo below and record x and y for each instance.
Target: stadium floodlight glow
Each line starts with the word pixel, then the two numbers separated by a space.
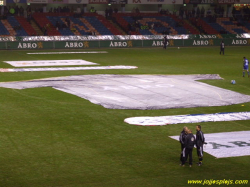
pixel 2 3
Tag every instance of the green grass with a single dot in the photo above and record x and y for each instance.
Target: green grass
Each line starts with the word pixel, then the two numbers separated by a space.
pixel 50 138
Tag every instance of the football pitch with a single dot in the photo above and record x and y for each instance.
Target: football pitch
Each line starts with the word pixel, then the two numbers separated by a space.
pixel 51 138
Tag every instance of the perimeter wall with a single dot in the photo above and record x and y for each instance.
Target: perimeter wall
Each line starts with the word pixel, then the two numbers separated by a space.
pixel 130 41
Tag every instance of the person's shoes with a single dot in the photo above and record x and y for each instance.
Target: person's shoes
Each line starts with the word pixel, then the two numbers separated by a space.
pixel 199 164
pixel 182 165
pixel 190 166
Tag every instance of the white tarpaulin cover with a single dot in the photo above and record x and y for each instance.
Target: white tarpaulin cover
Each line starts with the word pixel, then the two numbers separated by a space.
pixel 49 63
pixel 226 144
pixel 191 118
pixel 140 91
pixel 67 52
pixel 65 68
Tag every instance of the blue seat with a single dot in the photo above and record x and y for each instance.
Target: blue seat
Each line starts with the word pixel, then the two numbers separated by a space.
pixel 239 31
pixel 13 22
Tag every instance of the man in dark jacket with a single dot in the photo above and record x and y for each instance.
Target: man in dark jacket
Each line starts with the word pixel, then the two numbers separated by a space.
pixel 188 148
pixel 165 42
pixel 200 140
pixel 222 47
pixel 182 140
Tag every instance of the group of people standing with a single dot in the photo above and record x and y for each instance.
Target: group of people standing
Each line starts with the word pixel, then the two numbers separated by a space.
pixel 188 141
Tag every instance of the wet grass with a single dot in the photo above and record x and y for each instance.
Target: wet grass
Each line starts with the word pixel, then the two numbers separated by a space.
pixel 51 138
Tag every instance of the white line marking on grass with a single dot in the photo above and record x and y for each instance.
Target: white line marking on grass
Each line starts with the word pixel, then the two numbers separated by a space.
pixel 217 94
pixel 45 53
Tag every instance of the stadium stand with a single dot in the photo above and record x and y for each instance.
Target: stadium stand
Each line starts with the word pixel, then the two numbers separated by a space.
pixel 13 25
pixel 219 28
pixel 247 24
pixel 204 26
pixel 68 24
pixel 187 25
pixel 153 24
pixel 108 25
pixel 221 25
pixel 232 26
pixel 44 24
pixel 3 29
pixel 26 26
pixel 16 26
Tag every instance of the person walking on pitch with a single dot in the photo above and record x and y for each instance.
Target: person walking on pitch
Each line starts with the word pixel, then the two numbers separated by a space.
pixel 222 47
pixel 165 42
pixel 245 66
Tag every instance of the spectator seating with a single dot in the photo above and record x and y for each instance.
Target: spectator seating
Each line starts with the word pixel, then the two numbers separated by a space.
pixel 152 24
pixel 212 25
pixel 87 24
pixel 43 22
pixel 187 25
pixel 26 25
pixel 140 24
pixel 247 24
pixel 16 26
pixel 233 27
pixel 108 25
pixel 204 26
pixel 4 31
